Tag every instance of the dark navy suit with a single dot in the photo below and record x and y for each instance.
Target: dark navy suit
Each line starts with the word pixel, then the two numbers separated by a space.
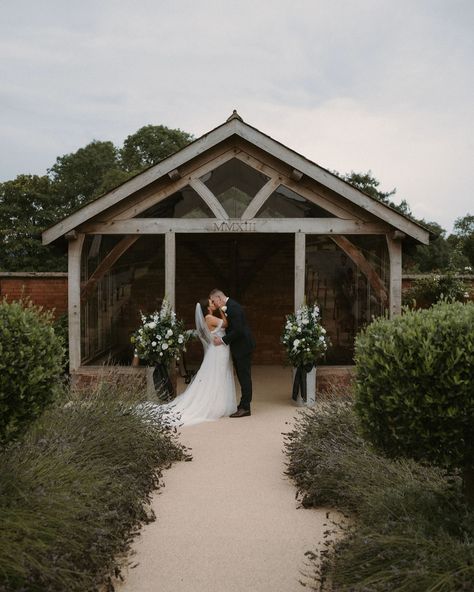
pixel 241 342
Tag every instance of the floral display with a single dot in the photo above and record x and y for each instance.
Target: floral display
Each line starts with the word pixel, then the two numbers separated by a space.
pixel 161 337
pixel 304 337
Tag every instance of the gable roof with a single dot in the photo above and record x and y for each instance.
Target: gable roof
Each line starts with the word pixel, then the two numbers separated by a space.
pixel 236 126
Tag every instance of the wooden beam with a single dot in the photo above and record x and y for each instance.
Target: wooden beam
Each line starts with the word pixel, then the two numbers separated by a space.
pixel 296 175
pixel 260 198
pixel 74 301
pixel 174 175
pixel 327 226
pixel 134 184
pixel 265 165
pixel 300 269
pixel 208 197
pixel 264 143
pixel 108 261
pixel 311 169
pixel 395 255
pixel 170 268
pixel 156 196
pixel 356 255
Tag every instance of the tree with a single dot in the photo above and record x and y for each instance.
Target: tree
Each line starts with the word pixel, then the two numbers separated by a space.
pixel 28 205
pixel 78 175
pixel 149 145
pixel 368 184
pixel 439 255
pixel 433 257
pixel 463 237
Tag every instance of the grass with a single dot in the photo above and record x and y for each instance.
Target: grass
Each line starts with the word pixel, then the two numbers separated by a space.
pixel 73 490
pixel 407 527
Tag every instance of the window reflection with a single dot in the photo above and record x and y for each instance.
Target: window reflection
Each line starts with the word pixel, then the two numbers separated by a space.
pixel 347 300
pixel 235 184
pixel 285 203
pixel 182 204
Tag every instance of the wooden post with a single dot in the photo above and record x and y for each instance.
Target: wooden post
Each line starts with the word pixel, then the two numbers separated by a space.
pixel 170 267
pixel 74 301
pixel 300 264
pixel 395 256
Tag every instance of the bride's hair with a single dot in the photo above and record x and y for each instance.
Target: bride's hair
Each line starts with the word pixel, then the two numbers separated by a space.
pixel 204 304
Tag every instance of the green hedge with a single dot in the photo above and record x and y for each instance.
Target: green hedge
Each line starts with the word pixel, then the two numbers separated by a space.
pixel 414 384
pixel 31 361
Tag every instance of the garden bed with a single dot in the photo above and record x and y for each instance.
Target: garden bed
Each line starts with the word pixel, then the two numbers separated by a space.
pixel 73 490
pixel 409 527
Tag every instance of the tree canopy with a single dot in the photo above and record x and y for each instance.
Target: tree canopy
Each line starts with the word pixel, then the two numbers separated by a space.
pixel 149 145
pixel 29 204
pixel 443 253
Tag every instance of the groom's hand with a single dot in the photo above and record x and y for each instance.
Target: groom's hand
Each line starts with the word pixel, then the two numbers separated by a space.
pixel 218 341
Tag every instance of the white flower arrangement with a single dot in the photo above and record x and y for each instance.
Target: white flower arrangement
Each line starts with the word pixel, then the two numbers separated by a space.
pixel 161 337
pixel 304 337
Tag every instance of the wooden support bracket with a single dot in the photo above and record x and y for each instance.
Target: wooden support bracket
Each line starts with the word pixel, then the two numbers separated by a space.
pixel 106 264
pixel 356 255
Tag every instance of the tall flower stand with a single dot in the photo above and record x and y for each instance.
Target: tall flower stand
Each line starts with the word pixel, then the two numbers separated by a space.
pixel 160 382
pixel 311 388
pixel 304 393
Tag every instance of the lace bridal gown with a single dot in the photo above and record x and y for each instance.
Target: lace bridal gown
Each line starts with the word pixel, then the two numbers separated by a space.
pixel 211 394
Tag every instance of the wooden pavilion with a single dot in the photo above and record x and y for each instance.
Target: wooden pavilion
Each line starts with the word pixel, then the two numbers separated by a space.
pixel 235 209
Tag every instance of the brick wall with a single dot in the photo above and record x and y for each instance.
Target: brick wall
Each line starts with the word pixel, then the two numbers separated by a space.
pixel 265 262
pixel 46 289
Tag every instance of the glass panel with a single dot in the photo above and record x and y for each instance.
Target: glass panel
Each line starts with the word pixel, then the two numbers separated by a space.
pixel 285 203
pixel 235 184
pixel 182 204
pixel 347 299
pixel 111 312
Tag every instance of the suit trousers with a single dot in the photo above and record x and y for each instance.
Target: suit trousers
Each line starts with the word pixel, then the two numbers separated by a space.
pixel 242 366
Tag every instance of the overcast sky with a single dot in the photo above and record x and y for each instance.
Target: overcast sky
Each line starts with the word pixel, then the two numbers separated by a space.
pixel 353 85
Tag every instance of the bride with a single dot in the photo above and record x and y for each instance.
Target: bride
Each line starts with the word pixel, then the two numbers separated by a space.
pixel 212 392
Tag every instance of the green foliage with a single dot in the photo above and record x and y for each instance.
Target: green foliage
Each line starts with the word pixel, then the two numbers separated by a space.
pixel 367 183
pixel 414 384
pixel 78 175
pixel 61 328
pixel 409 528
pixel 435 287
pixel 72 491
pixel 454 252
pixel 150 144
pixel 28 205
pixel 162 338
pixel 31 358
pixel 463 237
pixel 304 337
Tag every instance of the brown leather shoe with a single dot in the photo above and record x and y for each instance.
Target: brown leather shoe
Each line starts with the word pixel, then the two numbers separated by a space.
pixel 241 413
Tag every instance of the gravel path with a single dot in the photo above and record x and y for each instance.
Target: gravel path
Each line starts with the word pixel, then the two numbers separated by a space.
pixel 228 521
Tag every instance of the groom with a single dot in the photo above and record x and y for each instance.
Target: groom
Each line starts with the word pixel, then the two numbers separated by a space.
pixel 241 342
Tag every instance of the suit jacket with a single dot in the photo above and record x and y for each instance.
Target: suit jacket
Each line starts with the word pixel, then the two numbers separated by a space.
pixel 238 335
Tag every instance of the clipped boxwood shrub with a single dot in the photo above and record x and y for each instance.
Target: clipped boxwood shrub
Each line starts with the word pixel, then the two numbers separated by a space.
pixel 31 361
pixel 414 385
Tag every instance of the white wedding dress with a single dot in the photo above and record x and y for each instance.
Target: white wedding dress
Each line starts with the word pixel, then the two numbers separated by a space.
pixel 211 394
